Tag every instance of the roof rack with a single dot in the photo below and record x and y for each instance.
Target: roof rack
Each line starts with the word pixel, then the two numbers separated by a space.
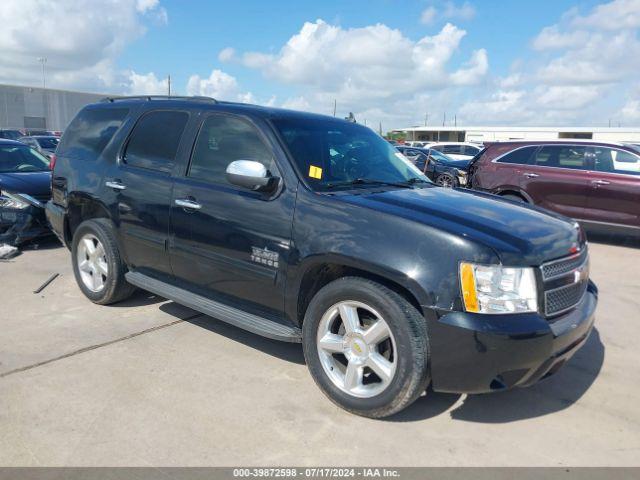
pixel 148 98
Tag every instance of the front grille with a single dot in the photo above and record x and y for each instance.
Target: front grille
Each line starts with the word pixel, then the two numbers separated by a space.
pixel 564 298
pixel 563 266
pixel 565 283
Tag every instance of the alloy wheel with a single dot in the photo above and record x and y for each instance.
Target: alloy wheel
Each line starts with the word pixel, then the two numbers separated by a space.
pixel 357 349
pixel 445 181
pixel 92 263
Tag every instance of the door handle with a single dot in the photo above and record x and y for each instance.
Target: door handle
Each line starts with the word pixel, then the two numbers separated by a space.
pixel 187 203
pixel 531 175
pixel 600 182
pixel 116 185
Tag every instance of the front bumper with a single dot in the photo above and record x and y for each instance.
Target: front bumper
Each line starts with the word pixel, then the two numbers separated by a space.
pixel 18 226
pixel 478 353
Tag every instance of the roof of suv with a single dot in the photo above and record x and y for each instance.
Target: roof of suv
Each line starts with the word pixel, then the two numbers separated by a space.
pixel 210 103
pixel 566 141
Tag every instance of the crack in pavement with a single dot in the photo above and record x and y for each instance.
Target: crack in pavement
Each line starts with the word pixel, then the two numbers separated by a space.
pixel 99 345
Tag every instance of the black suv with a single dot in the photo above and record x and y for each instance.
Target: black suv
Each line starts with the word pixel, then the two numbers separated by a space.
pixel 306 228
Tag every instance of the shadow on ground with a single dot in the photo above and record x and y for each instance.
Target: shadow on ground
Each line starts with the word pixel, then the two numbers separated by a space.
pixel 551 395
pixel 290 352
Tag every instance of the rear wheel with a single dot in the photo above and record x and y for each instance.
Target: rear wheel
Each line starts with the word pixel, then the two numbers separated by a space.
pixel 366 347
pixel 97 265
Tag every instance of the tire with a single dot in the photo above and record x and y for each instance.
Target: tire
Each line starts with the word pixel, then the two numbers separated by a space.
pixel 514 198
pixel 331 352
pixel 447 181
pixel 101 277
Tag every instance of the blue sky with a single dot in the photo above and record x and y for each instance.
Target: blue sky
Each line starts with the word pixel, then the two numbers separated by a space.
pixel 546 62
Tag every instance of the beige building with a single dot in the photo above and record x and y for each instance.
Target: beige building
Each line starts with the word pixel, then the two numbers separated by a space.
pixel 492 134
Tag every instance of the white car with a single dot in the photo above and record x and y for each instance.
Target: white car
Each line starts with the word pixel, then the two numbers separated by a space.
pixel 418 144
pixel 457 150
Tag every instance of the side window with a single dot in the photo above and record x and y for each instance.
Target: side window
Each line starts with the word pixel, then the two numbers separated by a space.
pixel 521 156
pixel 155 139
pixel 90 132
pixel 616 161
pixel 452 149
pixel 562 156
pixel 222 140
pixel 469 150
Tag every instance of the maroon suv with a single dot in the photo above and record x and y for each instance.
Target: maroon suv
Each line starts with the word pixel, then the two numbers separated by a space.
pixel 594 182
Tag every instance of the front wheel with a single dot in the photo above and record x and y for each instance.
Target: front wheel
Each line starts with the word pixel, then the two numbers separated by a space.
pixel 366 347
pixel 446 180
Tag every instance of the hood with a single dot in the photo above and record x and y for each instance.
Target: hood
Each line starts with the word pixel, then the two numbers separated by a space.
pixel 520 235
pixel 36 184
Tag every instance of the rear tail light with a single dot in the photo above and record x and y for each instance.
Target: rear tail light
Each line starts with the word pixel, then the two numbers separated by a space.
pixel 52 162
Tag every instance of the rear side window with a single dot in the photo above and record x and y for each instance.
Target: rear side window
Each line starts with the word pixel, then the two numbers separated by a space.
pixel 222 140
pixel 520 156
pixel 155 139
pixel 452 149
pixel 569 156
pixel 616 161
pixel 90 132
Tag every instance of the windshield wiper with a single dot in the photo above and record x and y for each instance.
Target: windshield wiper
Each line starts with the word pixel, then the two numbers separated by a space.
pixel 371 181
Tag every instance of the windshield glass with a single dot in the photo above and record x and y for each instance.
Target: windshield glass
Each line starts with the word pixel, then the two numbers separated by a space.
pixel 10 134
pixel 438 156
pixel 332 154
pixel 48 142
pixel 18 159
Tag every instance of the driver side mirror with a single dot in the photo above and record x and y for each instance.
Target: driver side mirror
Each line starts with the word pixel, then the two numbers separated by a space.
pixel 250 174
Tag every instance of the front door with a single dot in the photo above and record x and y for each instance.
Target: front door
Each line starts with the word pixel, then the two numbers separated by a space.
pixel 230 243
pixel 142 182
pixel 614 196
pixel 558 179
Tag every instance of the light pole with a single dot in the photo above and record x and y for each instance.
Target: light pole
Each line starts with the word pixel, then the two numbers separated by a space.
pixel 43 60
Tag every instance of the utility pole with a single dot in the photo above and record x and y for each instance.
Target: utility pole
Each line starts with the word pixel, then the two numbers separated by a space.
pixel 380 130
pixel 455 120
pixel 335 103
pixel 426 119
pixel 444 118
pixel 43 60
pixel 169 84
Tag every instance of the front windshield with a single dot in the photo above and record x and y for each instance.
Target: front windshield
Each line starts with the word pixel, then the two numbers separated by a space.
pixel 333 154
pixel 19 159
pixel 438 156
pixel 49 143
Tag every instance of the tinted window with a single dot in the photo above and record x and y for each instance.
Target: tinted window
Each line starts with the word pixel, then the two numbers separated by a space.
pixel 469 150
pixel 616 161
pixel 20 158
pixel 90 131
pixel 521 156
pixel 222 140
pixel 155 140
pixel 454 149
pixel 561 156
pixel 49 143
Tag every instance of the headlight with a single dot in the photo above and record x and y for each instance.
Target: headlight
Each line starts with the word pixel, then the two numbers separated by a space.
pixel 462 176
pixel 498 289
pixel 10 201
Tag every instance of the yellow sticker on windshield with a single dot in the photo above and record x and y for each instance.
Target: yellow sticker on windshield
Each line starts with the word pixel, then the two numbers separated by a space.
pixel 315 172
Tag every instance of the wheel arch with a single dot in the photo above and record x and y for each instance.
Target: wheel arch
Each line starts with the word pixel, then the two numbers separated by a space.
pixel 81 207
pixel 319 273
pixel 515 191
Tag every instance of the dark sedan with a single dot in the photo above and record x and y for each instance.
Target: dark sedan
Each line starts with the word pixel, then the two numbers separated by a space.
pixel 44 144
pixel 444 171
pixel 25 185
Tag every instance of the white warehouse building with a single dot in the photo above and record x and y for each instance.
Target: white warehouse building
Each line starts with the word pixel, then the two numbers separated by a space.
pixel 496 134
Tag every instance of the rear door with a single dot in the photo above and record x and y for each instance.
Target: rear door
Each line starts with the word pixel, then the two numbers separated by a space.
pixel 558 179
pixel 142 183
pixel 614 194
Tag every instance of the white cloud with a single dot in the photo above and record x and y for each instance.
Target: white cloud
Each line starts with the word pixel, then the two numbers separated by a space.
pixel 369 64
pixel 219 85
pixel 147 84
pixel 429 15
pixel 226 54
pixel 450 11
pixel 582 65
pixel 81 40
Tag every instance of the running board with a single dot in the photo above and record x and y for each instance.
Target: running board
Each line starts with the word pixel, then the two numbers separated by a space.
pixel 247 321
